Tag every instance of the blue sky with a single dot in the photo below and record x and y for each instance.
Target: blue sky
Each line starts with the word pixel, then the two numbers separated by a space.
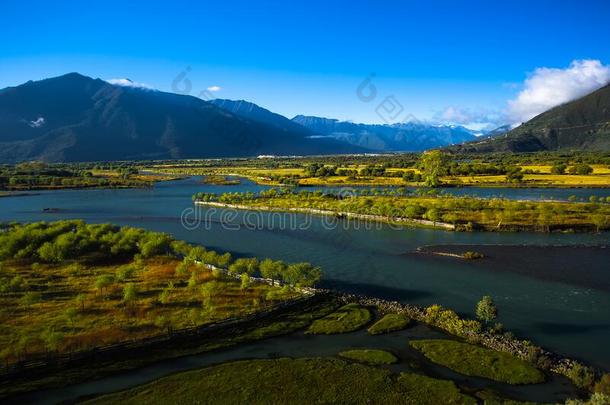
pixel 440 60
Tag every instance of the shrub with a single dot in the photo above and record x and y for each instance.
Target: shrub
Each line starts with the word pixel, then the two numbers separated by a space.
pixel 581 375
pixel 469 255
pixel 603 385
pixel 449 321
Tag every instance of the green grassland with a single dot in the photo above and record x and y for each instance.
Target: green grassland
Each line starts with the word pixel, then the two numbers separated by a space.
pixel 348 318
pixel 291 381
pixel 478 361
pixel 68 286
pixel 389 323
pixel 369 356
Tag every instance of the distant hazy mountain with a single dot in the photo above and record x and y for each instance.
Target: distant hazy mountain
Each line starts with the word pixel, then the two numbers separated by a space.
pixel 583 124
pixel 77 118
pixel 410 136
pixel 256 113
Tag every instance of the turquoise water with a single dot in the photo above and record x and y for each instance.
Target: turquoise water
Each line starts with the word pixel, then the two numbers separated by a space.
pixel 570 319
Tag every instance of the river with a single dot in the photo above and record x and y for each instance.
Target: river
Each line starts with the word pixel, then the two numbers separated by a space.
pixel 568 317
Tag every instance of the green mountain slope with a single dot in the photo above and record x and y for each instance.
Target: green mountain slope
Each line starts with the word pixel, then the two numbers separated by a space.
pixel 583 124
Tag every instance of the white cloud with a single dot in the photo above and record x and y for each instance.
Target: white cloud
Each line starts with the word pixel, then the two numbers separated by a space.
pixel 129 83
pixel 472 118
pixel 37 123
pixel 214 88
pixel 548 87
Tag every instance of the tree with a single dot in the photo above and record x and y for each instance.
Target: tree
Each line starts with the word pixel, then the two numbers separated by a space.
pixel 130 293
pixel 103 282
pixel 559 168
pixel 302 274
pixel 52 339
pixel 245 281
pixel 432 167
pixel 272 269
pixel 71 314
pixel 244 266
pixel 581 169
pixel 30 298
pixel 81 299
pixel 486 310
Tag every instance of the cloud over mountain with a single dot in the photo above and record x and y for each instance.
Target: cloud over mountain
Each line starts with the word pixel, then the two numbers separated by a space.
pixel 548 87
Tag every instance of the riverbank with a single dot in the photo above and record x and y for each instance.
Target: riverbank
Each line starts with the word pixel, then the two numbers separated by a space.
pixel 339 215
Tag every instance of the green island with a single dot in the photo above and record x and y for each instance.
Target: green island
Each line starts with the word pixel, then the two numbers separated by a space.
pixel 327 380
pixel 443 211
pixel 477 361
pixel 369 356
pixel 348 318
pixel 389 323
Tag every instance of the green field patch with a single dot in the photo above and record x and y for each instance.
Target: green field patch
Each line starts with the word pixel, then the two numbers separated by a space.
pixel 478 361
pixel 348 318
pixel 282 381
pixel 370 356
pixel 389 323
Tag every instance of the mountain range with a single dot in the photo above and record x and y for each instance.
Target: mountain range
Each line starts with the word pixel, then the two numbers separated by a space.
pixel 78 118
pixel 409 136
pixel 582 124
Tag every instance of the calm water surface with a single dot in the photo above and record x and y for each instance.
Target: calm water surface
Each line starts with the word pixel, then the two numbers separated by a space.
pixel 562 316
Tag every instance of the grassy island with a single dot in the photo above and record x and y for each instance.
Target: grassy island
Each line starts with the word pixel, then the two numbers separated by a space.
pixel 460 213
pixel 284 381
pixel 369 356
pixel 389 323
pixel 478 361
pixel 348 318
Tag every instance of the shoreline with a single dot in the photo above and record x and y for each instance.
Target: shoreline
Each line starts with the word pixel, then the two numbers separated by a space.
pixel 349 215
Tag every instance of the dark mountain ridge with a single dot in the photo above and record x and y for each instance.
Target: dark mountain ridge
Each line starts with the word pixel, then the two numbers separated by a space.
pixel 77 118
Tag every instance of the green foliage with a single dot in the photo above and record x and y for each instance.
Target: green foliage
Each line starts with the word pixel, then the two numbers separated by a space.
pixel 559 168
pixel 302 274
pixel 603 385
pixel 369 356
pixel 449 321
pixel 432 165
pixel 348 318
pixel 389 323
pixel 30 298
pixel 103 282
pixel 272 269
pixel 486 309
pixel 480 362
pixel 470 255
pixel 59 241
pixel 130 293
pixel 581 375
pixel 243 266
pixel 581 169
